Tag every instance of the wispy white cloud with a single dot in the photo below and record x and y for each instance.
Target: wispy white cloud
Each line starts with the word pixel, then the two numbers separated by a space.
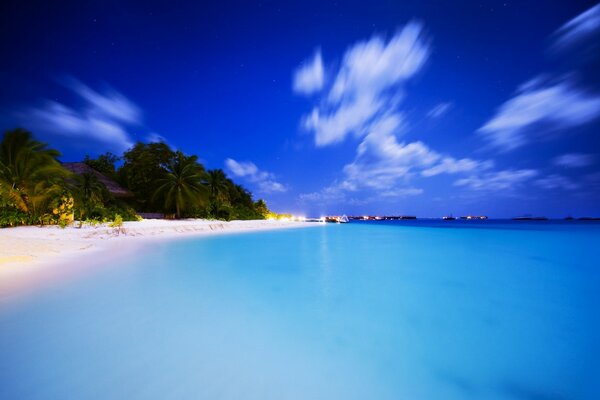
pixel 506 180
pixel 402 192
pixel 549 107
pixel 350 118
pixel 154 137
pixel 367 85
pixel 382 161
pixel 329 194
pixel 386 166
pixel 363 103
pixel 110 104
pixel 264 180
pixel 59 119
pixel 578 29
pixel 555 181
pixel 309 78
pixel 344 192
pixel 450 165
pixel 372 66
pixel 102 118
pixel 574 160
pixel 439 110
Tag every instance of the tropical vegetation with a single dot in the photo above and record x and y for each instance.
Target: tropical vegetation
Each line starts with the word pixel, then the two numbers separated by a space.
pixel 36 189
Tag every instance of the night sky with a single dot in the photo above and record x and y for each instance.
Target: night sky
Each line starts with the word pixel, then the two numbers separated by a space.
pixel 380 107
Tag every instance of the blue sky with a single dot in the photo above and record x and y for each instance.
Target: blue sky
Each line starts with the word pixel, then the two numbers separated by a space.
pixel 425 108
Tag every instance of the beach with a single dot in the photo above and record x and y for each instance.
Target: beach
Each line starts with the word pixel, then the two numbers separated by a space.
pixel 26 250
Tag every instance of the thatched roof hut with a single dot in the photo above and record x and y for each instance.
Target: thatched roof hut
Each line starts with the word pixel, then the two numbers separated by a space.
pixel 113 187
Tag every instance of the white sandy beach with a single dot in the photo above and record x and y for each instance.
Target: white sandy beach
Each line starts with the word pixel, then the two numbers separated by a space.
pixel 27 250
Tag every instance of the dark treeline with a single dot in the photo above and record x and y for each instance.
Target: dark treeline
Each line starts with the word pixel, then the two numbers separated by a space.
pixel 35 188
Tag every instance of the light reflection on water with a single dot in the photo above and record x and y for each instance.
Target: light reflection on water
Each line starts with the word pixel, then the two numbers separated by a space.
pixel 356 311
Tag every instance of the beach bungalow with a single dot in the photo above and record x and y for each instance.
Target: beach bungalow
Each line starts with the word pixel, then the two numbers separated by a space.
pixel 113 187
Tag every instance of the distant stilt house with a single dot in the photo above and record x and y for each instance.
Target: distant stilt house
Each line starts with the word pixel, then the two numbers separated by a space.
pixel 113 187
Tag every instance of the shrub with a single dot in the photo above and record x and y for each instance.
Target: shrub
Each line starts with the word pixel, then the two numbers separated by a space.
pixel 117 222
pixel 10 217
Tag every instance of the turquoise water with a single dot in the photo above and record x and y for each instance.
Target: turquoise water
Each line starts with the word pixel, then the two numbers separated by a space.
pixel 446 310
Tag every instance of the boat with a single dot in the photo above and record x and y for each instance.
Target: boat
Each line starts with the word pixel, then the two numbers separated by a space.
pixel 448 218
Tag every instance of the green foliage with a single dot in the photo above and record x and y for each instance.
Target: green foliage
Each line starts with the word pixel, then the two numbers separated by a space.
pixel 31 178
pixel 105 164
pixel 36 189
pixel 181 187
pixel 261 209
pixel 218 185
pixel 11 216
pixel 117 221
pixel 63 210
pixel 91 196
pixel 144 166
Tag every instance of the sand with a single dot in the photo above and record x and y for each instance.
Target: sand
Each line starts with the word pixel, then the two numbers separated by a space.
pixel 27 253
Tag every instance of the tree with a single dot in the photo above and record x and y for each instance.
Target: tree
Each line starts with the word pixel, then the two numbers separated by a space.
pixel 182 187
pixel 90 194
pixel 105 163
pixel 218 185
pixel 30 174
pixel 144 165
pixel 261 209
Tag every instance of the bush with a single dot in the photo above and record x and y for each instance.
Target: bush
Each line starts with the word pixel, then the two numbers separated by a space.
pixel 10 217
pixel 117 222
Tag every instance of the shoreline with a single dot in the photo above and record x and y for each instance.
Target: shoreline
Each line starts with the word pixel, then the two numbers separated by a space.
pixel 38 253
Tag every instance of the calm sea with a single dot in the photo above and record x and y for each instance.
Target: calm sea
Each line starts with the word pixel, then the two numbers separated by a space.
pixel 382 310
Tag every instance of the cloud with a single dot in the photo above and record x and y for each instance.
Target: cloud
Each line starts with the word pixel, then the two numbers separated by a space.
pixel 556 182
pixel 345 193
pixel 382 161
pixel 578 29
pixel 363 102
pixel 111 104
pixel 505 180
pixel 248 170
pixel 241 169
pixel 450 165
pixel 349 118
pixel 439 110
pixel 574 160
pixel 154 137
pixel 372 66
pixel 309 78
pixel 102 117
pixel 58 119
pixel 385 165
pixel 402 192
pixel 543 106
pixel 367 85
pixel 329 194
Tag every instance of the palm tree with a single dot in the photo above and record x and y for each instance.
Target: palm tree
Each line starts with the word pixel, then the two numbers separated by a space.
pixel 182 184
pixel 30 175
pixel 218 184
pixel 89 192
